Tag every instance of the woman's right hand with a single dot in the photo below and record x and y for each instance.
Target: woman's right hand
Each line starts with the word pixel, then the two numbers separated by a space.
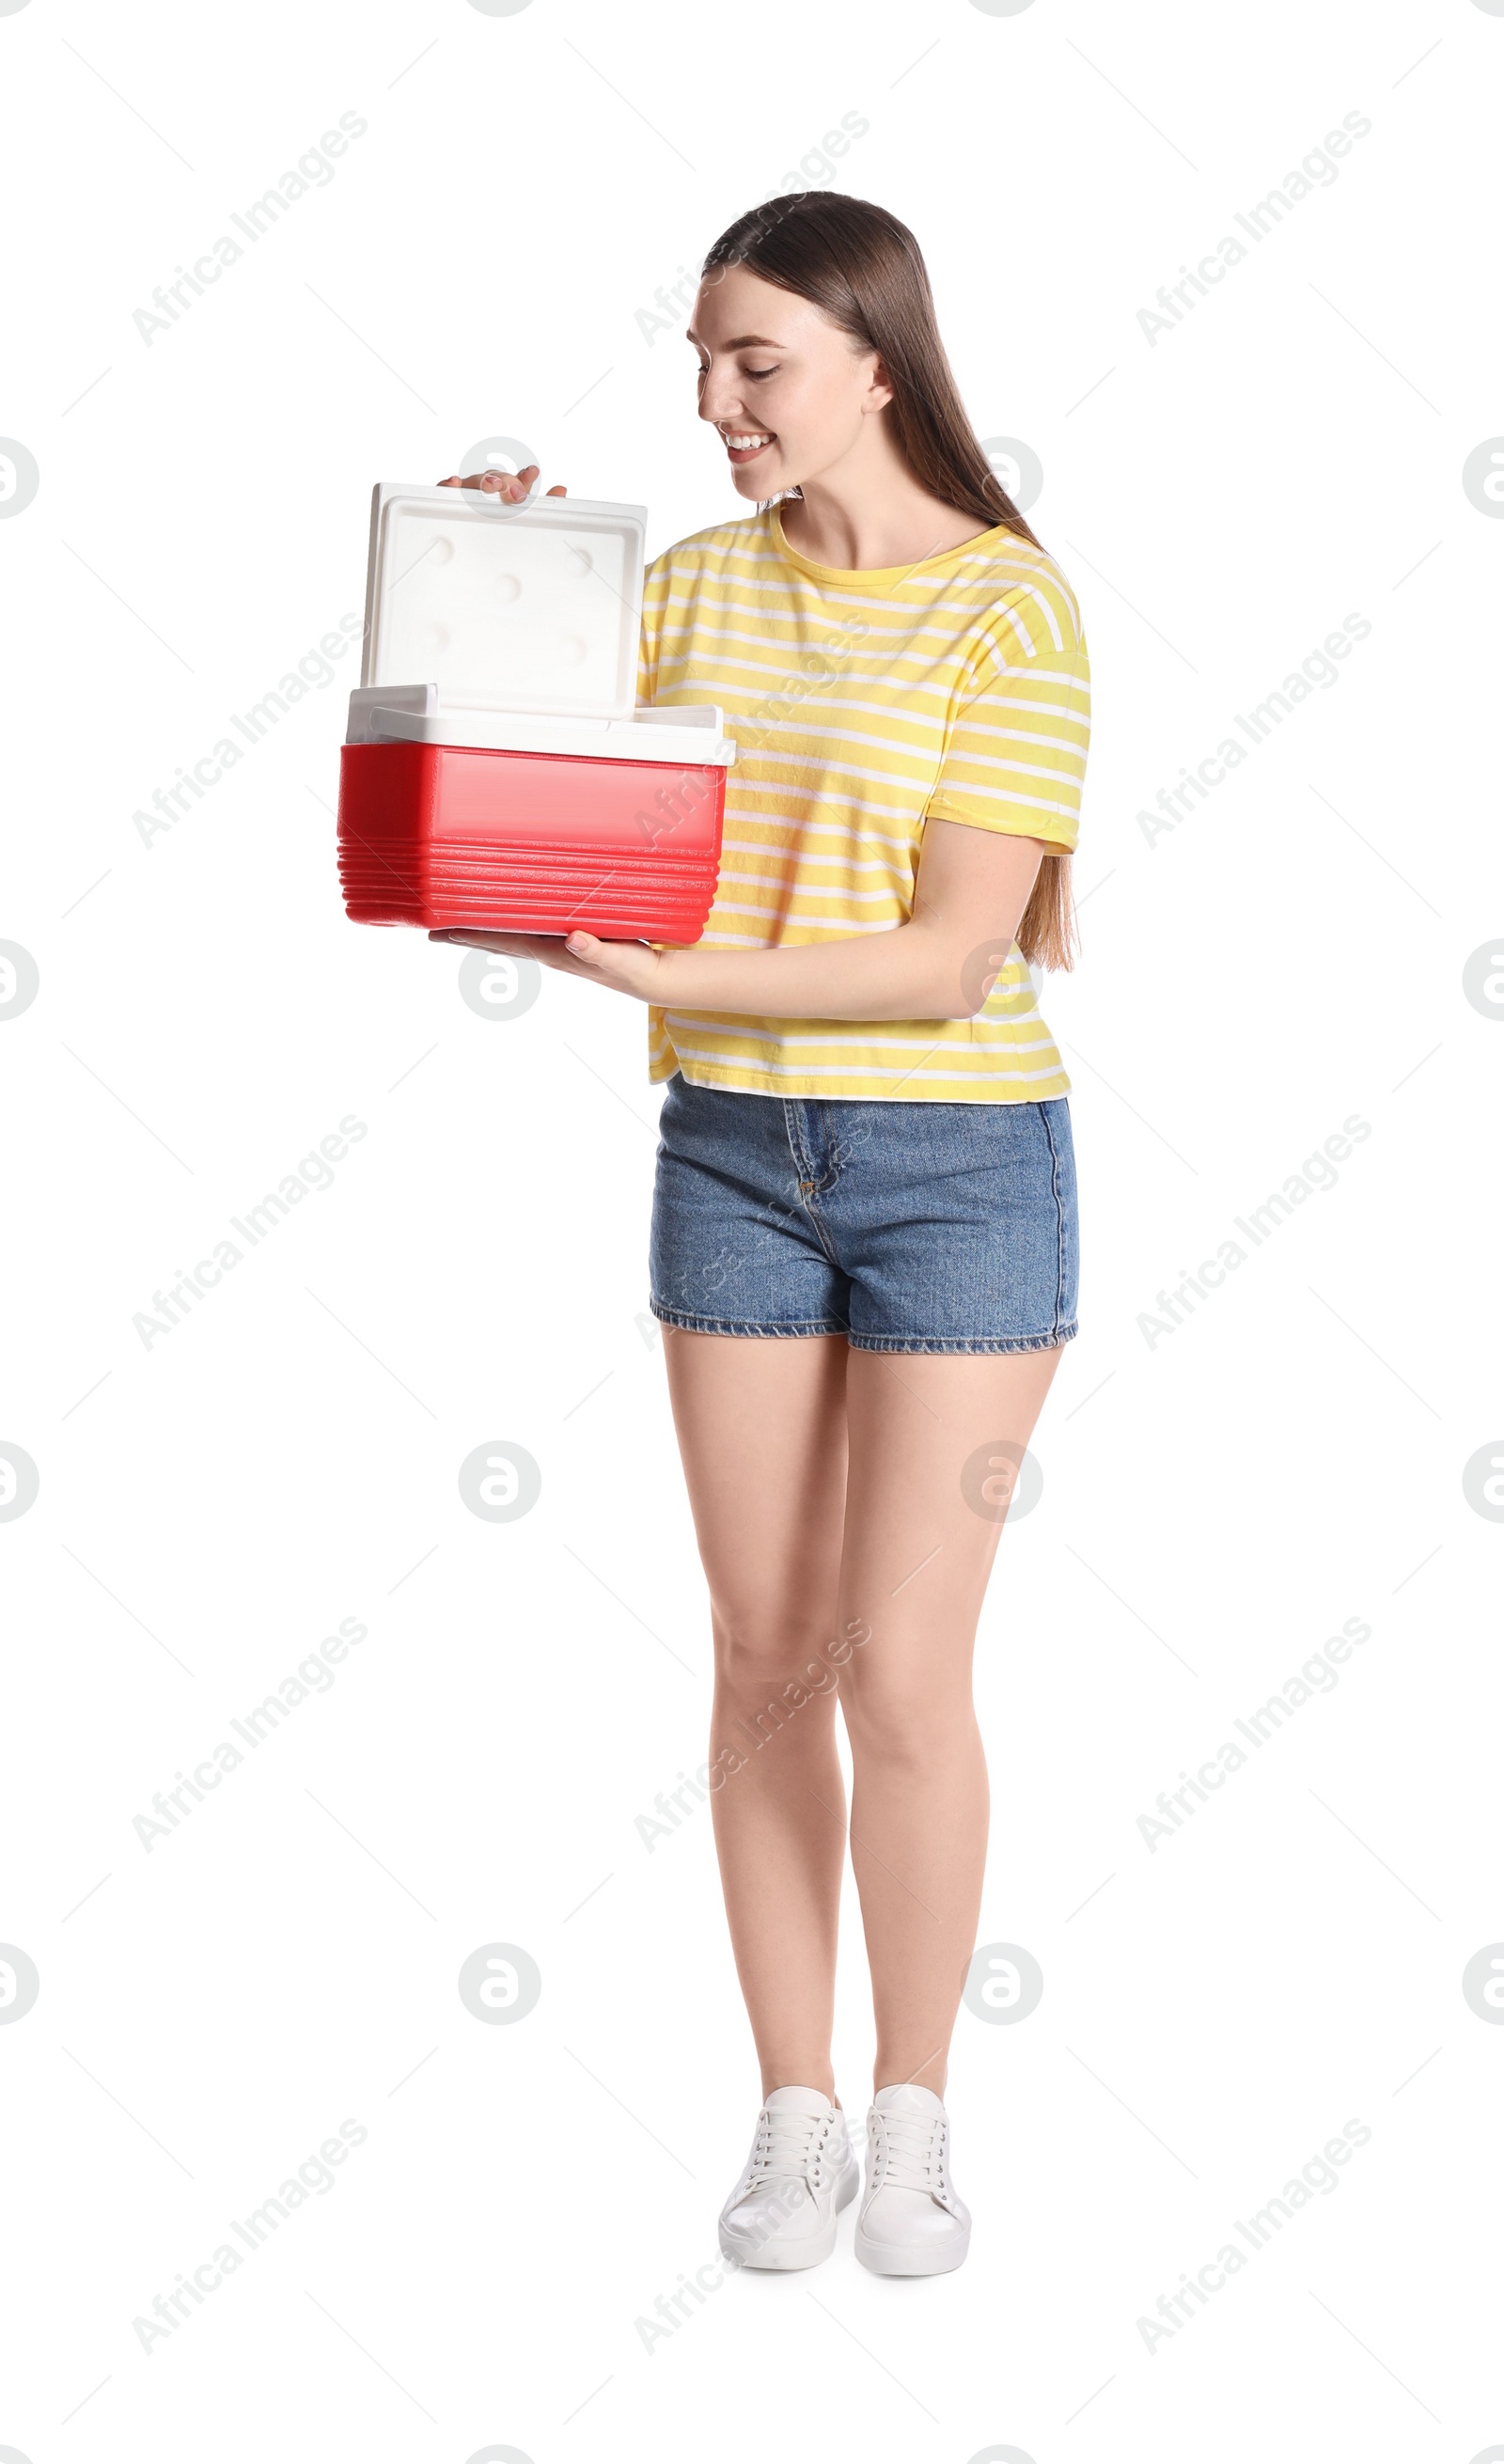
pixel 502 483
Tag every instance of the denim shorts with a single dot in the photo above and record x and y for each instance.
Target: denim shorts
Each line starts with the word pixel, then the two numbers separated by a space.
pixel 904 1226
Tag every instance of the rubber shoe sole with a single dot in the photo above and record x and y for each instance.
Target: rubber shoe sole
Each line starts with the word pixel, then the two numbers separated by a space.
pixel 893 2258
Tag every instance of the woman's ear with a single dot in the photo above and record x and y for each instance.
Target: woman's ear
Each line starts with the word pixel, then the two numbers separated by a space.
pixel 880 388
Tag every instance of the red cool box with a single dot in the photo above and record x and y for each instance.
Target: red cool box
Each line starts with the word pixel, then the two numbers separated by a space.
pixel 519 787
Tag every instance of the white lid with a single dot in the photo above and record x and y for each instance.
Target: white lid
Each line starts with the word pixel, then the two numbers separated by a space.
pixel 524 607
pixel 413 714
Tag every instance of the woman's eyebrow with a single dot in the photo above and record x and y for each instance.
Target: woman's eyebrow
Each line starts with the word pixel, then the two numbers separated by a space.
pixel 741 343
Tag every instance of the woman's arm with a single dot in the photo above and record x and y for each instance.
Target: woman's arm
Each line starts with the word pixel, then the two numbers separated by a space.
pixel 972 889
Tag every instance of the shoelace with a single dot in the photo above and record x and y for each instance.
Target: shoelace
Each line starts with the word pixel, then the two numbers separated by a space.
pixel 913 2149
pixel 785 2145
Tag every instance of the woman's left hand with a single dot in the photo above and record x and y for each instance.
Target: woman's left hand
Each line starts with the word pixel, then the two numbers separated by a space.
pixel 625 966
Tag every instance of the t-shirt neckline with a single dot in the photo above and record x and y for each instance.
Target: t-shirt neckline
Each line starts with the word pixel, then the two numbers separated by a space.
pixel 879 577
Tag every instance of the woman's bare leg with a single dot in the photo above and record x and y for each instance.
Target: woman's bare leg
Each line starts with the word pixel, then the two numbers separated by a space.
pixel 915 1565
pixel 761 1423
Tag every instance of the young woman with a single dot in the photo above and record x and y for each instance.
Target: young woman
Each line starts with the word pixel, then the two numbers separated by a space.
pixel 863 1247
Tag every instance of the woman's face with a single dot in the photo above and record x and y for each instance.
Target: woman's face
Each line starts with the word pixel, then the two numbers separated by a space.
pixel 776 371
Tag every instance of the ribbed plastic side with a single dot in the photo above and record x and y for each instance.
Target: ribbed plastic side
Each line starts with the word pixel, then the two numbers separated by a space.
pixel 435 835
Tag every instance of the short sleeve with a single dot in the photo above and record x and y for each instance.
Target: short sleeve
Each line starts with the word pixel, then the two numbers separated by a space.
pixel 1014 756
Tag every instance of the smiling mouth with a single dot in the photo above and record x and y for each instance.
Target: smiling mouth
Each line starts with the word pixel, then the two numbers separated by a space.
pixel 745 443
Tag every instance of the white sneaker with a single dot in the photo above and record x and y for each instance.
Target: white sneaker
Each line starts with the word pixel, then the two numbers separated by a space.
pixel 910 2221
pixel 801 2173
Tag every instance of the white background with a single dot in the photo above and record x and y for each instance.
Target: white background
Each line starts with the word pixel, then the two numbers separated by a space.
pixel 1215 1503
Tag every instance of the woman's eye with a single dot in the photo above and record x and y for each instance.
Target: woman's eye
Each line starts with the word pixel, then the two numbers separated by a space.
pixel 761 372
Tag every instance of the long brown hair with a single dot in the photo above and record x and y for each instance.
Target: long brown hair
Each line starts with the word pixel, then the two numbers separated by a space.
pixel 862 268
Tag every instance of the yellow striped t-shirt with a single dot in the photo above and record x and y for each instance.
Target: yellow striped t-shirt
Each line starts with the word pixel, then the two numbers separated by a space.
pixel 859 703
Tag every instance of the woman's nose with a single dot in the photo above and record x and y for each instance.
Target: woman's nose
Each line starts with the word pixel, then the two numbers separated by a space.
pixel 719 404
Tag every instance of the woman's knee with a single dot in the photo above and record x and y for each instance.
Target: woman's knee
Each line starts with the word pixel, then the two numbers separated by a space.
pixel 909 1719
pixel 774 1657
